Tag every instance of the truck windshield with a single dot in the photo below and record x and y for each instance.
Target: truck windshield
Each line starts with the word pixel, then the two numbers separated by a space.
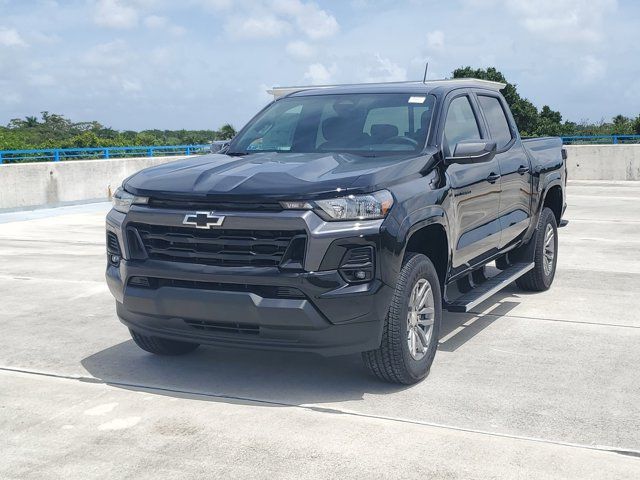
pixel 366 124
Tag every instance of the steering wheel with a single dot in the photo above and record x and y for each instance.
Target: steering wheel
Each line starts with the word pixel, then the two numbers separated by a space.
pixel 402 140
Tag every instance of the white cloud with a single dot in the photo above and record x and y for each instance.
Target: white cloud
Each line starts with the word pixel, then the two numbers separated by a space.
pixel 177 30
pixel 384 70
pixel 318 74
pixel 155 21
pixel 115 14
pixel 130 85
pixel 563 20
pixel 299 50
pixel 592 68
pixel 41 80
pixel 108 54
pixel 9 37
pixel 435 40
pixel 267 26
pixel 215 4
pixel 310 19
pixel 11 98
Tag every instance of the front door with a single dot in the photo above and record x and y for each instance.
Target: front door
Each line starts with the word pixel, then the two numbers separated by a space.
pixel 475 188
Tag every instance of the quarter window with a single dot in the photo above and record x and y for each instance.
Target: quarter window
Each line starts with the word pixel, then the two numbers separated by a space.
pixel 496 120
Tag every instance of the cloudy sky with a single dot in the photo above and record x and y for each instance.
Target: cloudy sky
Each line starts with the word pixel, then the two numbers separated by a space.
pixel 135 64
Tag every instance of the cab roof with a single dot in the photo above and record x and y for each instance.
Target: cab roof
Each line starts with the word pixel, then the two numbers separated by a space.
pixel 429 86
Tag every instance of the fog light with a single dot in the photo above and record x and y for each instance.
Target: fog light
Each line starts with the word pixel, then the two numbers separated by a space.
pixel 358 264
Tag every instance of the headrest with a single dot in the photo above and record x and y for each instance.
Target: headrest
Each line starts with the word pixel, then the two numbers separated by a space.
pixel 382 131
pixel 424 119
pixel 333 128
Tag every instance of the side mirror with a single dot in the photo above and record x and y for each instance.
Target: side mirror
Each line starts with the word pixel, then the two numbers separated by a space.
pixel 472 151
pixel 218 145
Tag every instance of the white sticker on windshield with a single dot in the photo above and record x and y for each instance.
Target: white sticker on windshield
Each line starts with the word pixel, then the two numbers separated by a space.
pixel 417 99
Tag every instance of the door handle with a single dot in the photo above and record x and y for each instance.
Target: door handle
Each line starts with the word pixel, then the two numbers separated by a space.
pixel 493 178
pixel 523 169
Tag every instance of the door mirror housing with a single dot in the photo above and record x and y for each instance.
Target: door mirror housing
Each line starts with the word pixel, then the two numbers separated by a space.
pixel 473 151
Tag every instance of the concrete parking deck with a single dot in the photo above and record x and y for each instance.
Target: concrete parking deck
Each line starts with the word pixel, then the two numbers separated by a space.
pixel 527 386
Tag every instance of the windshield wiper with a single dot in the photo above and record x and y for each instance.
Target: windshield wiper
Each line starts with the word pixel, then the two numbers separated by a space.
pixel 237 154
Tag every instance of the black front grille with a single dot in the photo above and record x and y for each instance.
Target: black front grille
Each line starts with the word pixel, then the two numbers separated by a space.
pixel 215 206
pixel 219 247
pixel 221 327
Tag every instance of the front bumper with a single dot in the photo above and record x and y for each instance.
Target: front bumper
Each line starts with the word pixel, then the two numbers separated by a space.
pixel 310 310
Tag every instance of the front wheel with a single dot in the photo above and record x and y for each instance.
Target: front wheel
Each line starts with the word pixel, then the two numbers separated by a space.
pixel 543 247
pixel 411 327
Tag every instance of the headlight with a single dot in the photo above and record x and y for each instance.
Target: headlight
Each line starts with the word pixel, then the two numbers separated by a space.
pixel 122 200
pixel 356 207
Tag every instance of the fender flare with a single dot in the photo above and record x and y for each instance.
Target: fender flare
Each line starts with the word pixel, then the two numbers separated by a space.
pixel 550 182
pixel 420 218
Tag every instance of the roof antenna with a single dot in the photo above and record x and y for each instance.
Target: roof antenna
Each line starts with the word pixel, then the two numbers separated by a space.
pixel 426 69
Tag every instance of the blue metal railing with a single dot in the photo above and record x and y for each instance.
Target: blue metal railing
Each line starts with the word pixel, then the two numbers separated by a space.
pixel 60 154
pixel 600 139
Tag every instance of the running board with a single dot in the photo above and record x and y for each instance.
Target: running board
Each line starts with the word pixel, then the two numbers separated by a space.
pixel 486 289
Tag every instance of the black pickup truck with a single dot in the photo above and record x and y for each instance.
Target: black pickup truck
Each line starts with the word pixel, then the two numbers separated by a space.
pixel 340 219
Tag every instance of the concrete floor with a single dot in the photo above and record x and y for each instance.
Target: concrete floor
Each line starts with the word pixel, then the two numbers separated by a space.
pixel 527 386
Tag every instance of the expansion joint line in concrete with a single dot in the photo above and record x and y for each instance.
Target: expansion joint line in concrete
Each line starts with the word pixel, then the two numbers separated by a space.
pixel 334 411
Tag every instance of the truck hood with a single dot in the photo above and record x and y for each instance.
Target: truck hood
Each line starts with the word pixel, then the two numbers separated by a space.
pixel 274 175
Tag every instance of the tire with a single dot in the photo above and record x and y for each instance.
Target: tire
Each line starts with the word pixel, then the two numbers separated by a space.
pixel 162 346
pixel 539 248
pixel 393 361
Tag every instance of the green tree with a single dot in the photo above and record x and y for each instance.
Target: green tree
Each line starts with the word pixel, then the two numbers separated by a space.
pixel 524 112
pixel 621 125
pixel 551 115
pixel 31 122
pixel 636 125
pixel 226 132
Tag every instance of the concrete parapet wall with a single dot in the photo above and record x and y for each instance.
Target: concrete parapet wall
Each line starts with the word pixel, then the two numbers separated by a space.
pixel 31 185
pixel 603 162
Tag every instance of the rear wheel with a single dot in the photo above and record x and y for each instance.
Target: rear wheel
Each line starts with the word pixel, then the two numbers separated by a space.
pixel 412 325
pixel 543 248
pixel 162 346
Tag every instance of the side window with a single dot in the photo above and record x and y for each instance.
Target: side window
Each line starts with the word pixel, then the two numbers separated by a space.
pixel 460 124
pixel 496 120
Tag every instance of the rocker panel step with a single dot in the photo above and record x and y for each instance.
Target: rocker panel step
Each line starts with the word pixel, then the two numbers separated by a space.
pixel 485 290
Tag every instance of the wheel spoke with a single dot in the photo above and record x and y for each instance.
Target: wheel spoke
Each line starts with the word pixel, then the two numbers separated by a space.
pixel 426 321
pixel 422 337
pixel 412 341
pixel 420 318
pixel 549 249
pixel 423 295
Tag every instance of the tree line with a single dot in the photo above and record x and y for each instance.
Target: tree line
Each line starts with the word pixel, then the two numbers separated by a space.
pixel 55 131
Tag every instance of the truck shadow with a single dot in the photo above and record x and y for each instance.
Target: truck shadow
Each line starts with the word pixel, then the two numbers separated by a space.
pixel 269 378
pixel 458 328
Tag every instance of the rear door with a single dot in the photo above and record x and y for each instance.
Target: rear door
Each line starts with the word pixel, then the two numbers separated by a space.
pixel 475 187
pixel 514 164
